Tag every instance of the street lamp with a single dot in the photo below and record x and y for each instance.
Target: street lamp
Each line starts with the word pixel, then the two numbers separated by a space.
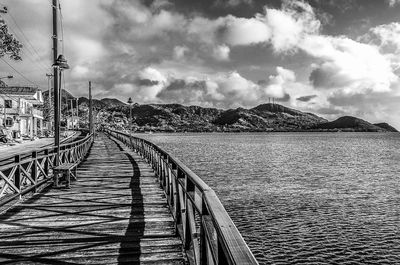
pixel 130 119
pixel 61 62
pixel 2 83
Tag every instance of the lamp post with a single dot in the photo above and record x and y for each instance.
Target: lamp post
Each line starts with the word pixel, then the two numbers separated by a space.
pixel 2 83
pixel 130 119
pixel 9 77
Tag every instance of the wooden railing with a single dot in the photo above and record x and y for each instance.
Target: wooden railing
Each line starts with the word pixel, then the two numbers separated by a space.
pixel 24 173
pixel 208 233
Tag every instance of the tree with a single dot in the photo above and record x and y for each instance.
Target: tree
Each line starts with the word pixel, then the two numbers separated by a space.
pixel 9 45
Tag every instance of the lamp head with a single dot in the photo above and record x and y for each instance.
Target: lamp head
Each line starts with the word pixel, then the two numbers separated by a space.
pixel 61 62
pixel 130 101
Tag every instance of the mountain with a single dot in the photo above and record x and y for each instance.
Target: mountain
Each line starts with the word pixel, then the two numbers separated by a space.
pixel 65 95
pixel 97 104
pixel 112 102
pixel 268 117
pixel 386 126
pixel 176 117
pixel 349 123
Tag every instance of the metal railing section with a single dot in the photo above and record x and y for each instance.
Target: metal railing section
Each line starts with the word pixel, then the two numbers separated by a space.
pixel 208 233
pixel 26 172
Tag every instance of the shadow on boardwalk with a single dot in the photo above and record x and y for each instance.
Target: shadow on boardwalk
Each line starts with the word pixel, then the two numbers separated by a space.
pixel 136 221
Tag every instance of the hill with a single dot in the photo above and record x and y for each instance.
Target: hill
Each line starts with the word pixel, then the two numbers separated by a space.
pixel 112 102
pixel 349 123
pixel 386 126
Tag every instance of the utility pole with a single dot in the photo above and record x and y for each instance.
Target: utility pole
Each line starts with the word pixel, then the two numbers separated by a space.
pixel 77 113
pixel 49 76
pixel 57 110
pixel 72 113
pixel 90 108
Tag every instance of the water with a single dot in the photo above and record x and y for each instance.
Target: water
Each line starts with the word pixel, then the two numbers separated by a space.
pixel 303 198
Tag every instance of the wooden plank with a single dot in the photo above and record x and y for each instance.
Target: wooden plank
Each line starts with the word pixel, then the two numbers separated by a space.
pixel 115 213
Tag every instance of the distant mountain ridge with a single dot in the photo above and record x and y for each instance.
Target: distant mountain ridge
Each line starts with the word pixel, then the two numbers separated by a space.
pixel 264 117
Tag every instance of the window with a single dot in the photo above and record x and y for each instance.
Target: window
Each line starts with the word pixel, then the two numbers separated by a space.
pixel 8 104
pixel 9 122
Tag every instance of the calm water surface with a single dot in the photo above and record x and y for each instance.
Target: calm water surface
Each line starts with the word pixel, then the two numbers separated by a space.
pixel 303 198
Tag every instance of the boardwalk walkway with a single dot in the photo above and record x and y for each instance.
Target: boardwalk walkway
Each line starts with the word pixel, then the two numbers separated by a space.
pixel 114 214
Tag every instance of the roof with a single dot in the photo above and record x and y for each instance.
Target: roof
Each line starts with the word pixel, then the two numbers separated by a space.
pixel 19 90
pixel 33 94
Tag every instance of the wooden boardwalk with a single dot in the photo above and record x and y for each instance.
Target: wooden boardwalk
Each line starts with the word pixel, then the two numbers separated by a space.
pixel 115 213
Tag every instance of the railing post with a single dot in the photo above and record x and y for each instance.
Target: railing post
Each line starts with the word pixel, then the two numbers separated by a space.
pixel 189 187
pixel 34 169
pixel 17 174
pixel 46 162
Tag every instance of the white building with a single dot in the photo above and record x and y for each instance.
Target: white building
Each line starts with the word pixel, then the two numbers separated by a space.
pixel 18 112
pixel 72 123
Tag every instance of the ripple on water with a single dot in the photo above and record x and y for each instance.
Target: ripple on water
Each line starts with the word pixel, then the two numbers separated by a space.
pixel 304 198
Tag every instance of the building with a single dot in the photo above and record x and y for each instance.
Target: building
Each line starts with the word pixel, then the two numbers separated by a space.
pixel 19 113
pixel 72 123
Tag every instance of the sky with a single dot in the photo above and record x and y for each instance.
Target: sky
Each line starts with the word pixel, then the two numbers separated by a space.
pixel 328 57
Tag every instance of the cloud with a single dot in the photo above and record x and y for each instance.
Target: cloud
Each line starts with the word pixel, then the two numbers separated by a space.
pixel 393 2
pixel 221 53
pixel 291 24
pixel 151 83
pixel 244 31
pixel 306 98
pixel 348 65
pixel 386 36
pixel 276 85
pixel 143 48
pixel 232 3
pixel 223 90
pixel 179 52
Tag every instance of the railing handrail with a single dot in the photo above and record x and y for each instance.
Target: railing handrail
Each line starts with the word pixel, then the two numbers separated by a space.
pixel 28 171
pixel 230 247
pixel 48 146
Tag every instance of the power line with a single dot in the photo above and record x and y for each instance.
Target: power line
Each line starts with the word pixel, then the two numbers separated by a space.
pixel 23 50
pixel 26 38
pixel 18 72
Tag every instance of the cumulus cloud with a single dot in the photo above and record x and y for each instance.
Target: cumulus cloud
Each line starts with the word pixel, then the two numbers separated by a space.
pixel 291 24
pixel 223 90
pixel 151 83
pixel 244 31
pixel 347 64
pixel 283 28
pixel 276 86
pixel 386 36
